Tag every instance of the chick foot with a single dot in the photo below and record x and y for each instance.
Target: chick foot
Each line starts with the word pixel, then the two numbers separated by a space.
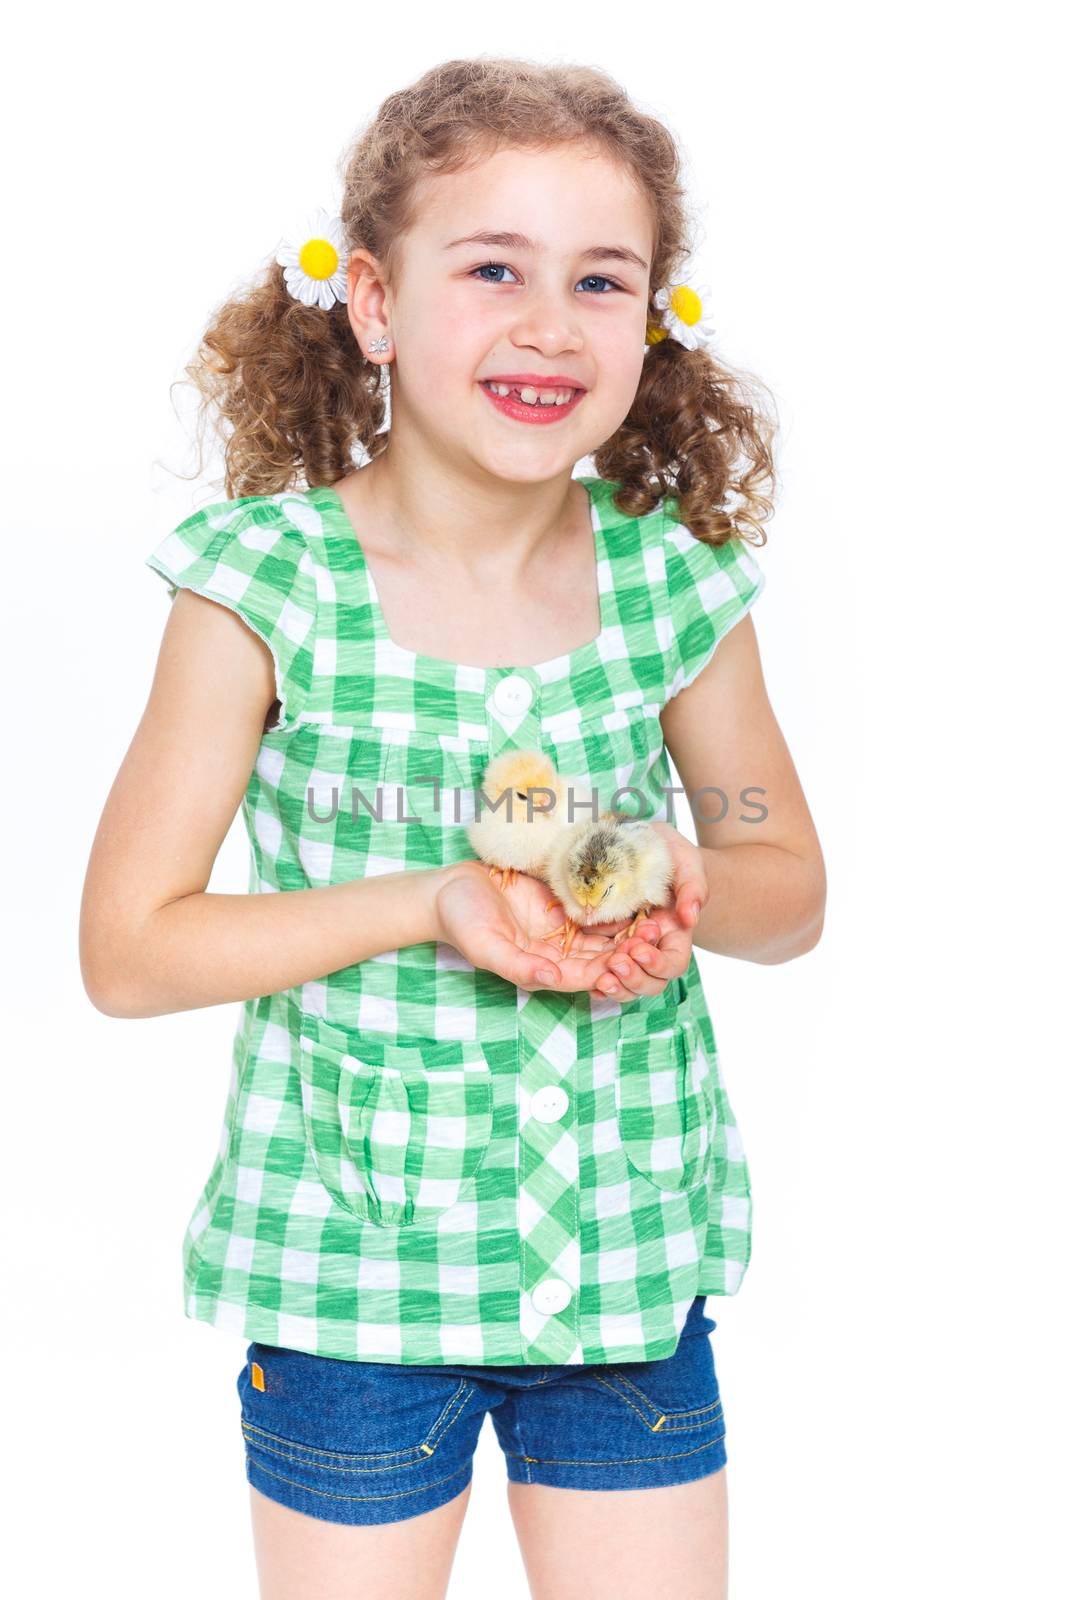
pixel 568 927
pixel 507 875
pixel 624 933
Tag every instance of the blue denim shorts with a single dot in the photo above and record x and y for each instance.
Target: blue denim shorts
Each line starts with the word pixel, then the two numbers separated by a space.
pixel 371 1441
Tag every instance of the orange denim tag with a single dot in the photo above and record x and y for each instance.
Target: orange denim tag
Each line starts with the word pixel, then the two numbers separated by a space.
pixel 257 1376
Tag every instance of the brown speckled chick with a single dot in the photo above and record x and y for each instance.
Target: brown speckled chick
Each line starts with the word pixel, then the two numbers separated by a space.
pixel 601 870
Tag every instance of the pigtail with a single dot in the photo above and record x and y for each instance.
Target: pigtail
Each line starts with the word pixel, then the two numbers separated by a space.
pixel 695 434
pixel 288 388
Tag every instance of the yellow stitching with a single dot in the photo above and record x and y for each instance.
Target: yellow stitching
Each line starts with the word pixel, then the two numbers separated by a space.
pixel 681 1428
pixel 686 1427
pixel 624 1398
pixel 695 1412
pixel 466 1390
pixel 621 1461
pixel 342 1455
pixel 328 1496
pixel 359 1455
pixel 715 1406
pixel 309 1460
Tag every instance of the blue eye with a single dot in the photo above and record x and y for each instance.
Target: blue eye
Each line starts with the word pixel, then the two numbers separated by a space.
pixel 492 266
pixel 498 266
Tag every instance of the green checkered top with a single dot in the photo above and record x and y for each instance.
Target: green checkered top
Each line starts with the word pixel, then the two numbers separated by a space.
pixel 421 1162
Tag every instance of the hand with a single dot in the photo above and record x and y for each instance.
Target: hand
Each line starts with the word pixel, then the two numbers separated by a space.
pixel 503 931
pixel 661 946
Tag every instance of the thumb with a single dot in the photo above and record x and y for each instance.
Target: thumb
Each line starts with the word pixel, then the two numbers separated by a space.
pixel 690 899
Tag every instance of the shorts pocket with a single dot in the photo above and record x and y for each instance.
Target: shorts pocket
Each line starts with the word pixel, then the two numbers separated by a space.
pixel 665 1111
pixel 699 1411
pixel 375 1421
pixel 397 1131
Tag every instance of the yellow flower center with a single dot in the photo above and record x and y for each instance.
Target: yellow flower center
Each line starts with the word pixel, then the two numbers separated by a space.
pixel 319 259
pixel 654 335
pixel 685 303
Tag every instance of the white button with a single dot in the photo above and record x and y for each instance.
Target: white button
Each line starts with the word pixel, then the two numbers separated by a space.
pixel 512 696
pixel 550 1296
pixel 549 1103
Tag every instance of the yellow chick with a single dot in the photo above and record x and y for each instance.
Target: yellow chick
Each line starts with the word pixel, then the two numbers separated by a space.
pixel 607 868
pixel 521 842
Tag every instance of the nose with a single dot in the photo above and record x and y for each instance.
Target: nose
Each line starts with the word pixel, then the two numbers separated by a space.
pixel 547 323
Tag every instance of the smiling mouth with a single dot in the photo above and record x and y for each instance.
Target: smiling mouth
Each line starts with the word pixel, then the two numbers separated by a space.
pixel 547 394
pixel 525 403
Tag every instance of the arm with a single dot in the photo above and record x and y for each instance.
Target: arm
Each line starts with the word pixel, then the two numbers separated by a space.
pixel 151 939
pixel 767 878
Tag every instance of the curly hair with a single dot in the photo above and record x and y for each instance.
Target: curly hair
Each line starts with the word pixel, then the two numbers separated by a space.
pixel 293 395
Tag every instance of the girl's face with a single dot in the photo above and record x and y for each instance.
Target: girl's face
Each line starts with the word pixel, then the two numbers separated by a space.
pixel 567 301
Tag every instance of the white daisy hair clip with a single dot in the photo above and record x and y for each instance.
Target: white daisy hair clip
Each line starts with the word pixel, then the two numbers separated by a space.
pixel 315 265
pixel 685 316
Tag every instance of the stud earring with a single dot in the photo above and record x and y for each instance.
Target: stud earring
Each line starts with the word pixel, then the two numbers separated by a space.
pixel 379 345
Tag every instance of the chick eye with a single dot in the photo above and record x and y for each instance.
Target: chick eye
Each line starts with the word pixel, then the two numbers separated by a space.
pixel 521 794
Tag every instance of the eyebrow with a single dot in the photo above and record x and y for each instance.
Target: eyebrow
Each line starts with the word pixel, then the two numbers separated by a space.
pixel 520 241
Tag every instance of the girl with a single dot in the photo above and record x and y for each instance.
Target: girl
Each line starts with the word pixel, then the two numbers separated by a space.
pixel 461 1171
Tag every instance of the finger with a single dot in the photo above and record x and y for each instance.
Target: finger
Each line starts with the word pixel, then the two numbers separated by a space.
pixel 582 971
pixel 677 947
pixel 536 974
pixel 632 946
pixel 690 897
pixel 579 971
pixel 659 962
pixel 632 988
pixel 627 978
pixel 656 963
pixel 530 968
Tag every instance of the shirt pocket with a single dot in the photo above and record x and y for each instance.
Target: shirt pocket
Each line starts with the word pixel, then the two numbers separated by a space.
pixel 666 1113
pixel 397 1130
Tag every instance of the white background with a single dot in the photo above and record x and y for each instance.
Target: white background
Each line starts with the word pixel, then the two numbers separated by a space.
pixel 876 190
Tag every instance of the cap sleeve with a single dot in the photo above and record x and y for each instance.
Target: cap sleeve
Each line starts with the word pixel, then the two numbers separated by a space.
pixel 710 588
pixel 247 556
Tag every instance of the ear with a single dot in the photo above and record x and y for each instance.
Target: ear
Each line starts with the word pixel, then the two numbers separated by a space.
pixel 367 308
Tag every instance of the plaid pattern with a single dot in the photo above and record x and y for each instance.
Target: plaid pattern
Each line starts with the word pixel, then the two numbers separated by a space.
pixel 398 1131
pixel 420 1162
pixel 665 1118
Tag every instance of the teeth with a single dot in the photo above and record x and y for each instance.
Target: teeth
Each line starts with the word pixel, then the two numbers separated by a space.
pixel 544 397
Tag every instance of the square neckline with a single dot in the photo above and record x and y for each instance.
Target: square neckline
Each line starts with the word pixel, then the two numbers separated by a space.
pixel 438 663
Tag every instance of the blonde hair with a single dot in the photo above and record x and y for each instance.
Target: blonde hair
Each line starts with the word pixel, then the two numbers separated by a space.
pixel 296 393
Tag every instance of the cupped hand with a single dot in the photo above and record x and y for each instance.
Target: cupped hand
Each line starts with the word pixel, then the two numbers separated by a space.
pixel 503 931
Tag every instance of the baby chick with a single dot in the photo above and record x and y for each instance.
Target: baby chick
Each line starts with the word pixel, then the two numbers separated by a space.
pixel 606 868
pixel 521 842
